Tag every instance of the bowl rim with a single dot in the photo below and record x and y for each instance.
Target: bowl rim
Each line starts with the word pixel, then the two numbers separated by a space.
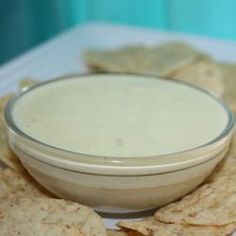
pixel 9 121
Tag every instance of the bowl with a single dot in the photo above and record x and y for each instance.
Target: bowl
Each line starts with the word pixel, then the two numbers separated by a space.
pixel 119 143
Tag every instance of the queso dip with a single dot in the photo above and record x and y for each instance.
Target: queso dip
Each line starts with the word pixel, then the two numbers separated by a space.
pixel 119 115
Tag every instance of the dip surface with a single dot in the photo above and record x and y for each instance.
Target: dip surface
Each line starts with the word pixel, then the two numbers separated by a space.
pixel 119 115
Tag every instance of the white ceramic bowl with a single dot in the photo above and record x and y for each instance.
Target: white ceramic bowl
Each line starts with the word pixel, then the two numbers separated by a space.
pixel 116 185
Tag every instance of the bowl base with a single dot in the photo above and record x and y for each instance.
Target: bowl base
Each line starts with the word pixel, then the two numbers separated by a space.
pixel 116 212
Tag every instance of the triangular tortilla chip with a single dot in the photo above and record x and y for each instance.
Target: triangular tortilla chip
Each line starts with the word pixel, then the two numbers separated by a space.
pixel 211 204
pixel 155 228
pixel 42 216
pixel 13 184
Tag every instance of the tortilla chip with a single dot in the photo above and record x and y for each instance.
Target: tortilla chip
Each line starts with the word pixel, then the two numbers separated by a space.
pixel 42 216
pixel 27 83
pixel 227 166
pixel 111 232
pixel 173 60
pixel 210 200
pixel 155 228
pixel 3 102
pixel 140 59
pixel 211 204
pixel 202 73
pixel 13 184
pixel 232 151
pixel 229 97
pixel 6 155
pixel 9 159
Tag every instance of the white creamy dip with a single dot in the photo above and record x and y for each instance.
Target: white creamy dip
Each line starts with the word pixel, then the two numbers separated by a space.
pixel 119 115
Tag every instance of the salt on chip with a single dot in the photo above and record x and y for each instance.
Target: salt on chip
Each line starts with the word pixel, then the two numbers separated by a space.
pixel 155 228
pixel 13 184
pixel 211 204
pixel 43 216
